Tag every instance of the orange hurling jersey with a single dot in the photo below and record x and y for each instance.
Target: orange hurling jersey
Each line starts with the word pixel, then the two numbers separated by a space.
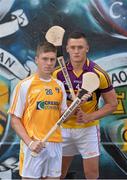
pixel 39 104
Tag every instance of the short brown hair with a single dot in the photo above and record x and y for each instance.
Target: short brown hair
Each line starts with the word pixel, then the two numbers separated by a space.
pixel 76 35
pixel 45 47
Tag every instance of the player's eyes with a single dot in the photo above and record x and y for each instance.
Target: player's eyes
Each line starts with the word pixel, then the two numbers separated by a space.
pixel 72 47
pixel 48 59
pixel 45 59
pixel 52 59
pixel 76 47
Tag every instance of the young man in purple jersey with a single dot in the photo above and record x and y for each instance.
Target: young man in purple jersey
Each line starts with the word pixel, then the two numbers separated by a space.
pixel 81 131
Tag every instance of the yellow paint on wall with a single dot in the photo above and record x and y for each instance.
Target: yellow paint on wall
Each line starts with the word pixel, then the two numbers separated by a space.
pixel 4 95
pixel 1 129
pixel 124 148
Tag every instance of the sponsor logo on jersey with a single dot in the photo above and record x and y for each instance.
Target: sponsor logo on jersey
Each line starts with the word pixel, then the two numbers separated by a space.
pixel 47 105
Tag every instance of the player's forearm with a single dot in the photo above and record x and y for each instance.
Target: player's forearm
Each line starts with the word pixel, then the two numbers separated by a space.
pixel 20 130
pixel 104 111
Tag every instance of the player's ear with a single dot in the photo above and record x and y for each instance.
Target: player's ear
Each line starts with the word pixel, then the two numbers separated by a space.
pixel 87 49
pixel 67 48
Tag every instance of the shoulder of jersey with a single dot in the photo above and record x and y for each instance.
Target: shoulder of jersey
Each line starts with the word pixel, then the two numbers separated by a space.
pixel 57 68
pixel 100 70
pixel 26 79
pixel 56 71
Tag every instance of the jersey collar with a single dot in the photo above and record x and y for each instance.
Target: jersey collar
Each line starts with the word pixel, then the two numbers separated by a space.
pixel 85 66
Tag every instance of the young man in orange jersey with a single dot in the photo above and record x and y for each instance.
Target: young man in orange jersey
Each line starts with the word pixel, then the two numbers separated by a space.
pixel 37 103
pixel 81 131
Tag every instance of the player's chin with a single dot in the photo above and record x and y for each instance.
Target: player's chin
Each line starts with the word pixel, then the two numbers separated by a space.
pixel 77 59
pixel 48 71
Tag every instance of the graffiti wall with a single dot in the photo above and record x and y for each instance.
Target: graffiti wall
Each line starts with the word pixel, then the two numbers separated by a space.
pixel 23 24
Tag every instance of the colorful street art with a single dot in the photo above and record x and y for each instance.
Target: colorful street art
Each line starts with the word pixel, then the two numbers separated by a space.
pixel 22 25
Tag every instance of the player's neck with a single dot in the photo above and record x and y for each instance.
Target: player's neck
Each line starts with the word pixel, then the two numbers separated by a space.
pixel 78 65
pixel 44 76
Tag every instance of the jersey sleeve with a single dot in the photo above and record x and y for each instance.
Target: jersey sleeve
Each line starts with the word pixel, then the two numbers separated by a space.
pixel 105 81
pixel 18 101
pixel 55 73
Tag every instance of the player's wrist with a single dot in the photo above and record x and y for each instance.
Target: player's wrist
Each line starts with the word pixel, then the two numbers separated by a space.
pixel 30 144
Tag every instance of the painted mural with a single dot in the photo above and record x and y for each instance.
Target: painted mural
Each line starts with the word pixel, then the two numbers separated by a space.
pixel 23 24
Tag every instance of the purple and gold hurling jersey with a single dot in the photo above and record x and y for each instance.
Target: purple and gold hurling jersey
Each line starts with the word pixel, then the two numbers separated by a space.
pixel 92 104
